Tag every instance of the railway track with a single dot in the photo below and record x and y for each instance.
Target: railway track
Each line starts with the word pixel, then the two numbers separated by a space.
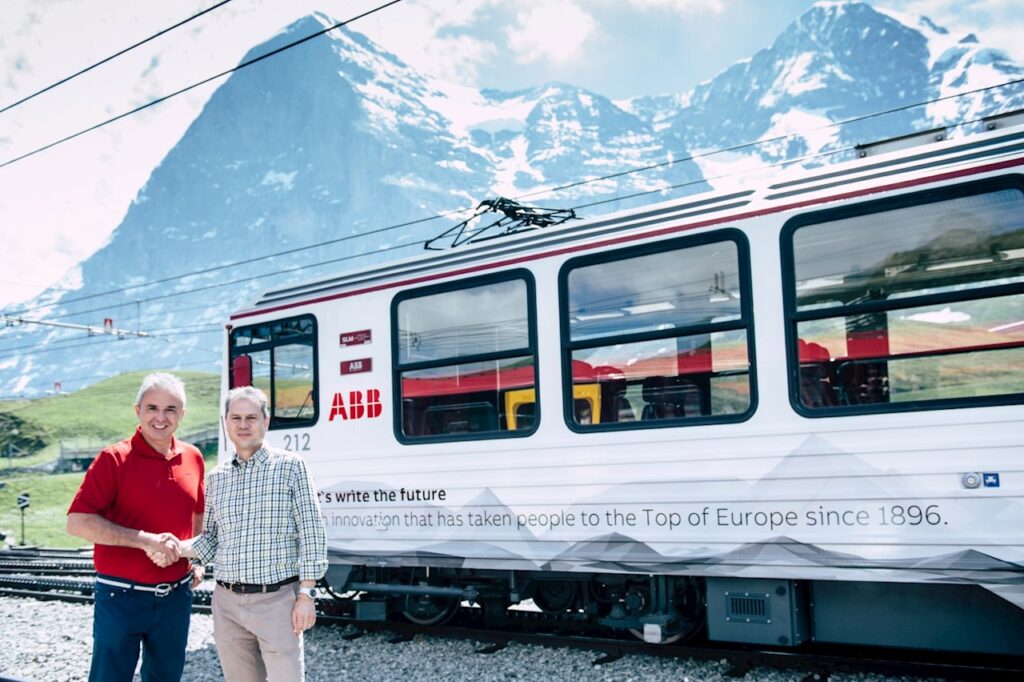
pixel 33 577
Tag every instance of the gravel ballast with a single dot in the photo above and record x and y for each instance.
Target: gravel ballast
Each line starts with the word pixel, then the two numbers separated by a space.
pixel 51 641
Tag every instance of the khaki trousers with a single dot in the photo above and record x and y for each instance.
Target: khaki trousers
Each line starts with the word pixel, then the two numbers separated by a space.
pixel 254 636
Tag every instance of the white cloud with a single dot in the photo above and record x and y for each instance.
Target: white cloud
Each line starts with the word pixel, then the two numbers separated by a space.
pixel 996 22
pixel 428 37
pixel 550 30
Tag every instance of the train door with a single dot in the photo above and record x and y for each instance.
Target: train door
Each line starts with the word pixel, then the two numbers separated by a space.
pixel 279 357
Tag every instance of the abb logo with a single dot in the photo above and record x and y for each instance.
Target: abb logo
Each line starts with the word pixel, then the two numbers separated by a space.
pixel 356 408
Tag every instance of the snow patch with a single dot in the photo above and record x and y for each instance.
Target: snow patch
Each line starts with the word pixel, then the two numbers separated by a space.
pixel 467 109
pixel 279 180
pixel 797 78
pixel 458 165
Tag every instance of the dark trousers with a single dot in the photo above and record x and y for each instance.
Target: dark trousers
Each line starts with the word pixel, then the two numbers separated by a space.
pixel 125 619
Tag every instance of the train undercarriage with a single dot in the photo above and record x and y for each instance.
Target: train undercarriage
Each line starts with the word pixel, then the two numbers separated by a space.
pixel 662 609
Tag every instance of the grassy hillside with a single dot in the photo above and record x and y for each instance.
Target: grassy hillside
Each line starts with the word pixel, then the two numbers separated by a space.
pixel 50 496
pixel 101 413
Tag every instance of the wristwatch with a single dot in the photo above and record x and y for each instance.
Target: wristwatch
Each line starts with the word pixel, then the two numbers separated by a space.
pixel 309 592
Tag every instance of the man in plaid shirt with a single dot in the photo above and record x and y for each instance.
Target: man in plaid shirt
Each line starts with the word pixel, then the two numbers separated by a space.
pixel 263 532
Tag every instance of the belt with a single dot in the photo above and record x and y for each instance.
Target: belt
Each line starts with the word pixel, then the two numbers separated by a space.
pixel 160 590
pixel 249 588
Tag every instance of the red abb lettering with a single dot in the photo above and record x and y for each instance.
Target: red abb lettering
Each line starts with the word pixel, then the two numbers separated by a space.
pixel 357 408
pixel 373 406
pixel 355 405
pixel 338 408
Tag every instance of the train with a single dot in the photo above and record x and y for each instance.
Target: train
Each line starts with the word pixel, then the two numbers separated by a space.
pixel 773 415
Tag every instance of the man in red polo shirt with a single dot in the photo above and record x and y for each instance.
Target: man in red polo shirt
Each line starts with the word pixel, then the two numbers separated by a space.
pixel 138 496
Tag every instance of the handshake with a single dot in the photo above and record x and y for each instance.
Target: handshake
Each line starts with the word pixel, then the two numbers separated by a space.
pixel 163 549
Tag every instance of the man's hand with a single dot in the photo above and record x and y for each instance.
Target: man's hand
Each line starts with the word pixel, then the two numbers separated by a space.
pixel 159 558
pixel 303 614
pixel 197 575
pixel 162 548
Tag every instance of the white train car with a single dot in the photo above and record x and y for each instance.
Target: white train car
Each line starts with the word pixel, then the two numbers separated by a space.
pixel 776 415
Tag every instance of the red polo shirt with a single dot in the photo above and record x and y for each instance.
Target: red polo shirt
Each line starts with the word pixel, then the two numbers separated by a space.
pixel 133 485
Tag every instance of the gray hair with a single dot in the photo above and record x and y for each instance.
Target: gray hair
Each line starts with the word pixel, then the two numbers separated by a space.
pixel 162 381
pixel 249 393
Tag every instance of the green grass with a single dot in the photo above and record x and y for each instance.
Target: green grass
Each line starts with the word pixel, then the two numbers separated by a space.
pixel 50 496
pixel 99 414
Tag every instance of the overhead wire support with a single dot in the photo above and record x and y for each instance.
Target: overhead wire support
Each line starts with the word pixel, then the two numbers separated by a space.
pixel 106 329
pixel 516 218
pixel 195 85
pixel 101 62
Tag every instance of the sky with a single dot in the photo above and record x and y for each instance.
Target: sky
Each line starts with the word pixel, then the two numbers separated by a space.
pixel 59 206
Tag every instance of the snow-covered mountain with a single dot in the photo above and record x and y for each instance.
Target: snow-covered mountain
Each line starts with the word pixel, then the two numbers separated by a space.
pixel 334 141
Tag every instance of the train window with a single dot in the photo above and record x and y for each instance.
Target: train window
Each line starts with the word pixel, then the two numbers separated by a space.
pixel 658 335
pixel 279 358
pixel 465 359
pixel 911 303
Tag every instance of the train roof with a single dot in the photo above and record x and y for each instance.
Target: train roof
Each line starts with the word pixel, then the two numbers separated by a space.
pixel 901 162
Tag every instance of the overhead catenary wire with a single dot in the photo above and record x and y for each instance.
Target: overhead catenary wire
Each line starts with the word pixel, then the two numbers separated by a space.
pixel 79 327
pixel 117 54
pixel 193 86
pixel 333 261
pixel 788 161
pixel 70 343
pixel 253 278
pixel 611 176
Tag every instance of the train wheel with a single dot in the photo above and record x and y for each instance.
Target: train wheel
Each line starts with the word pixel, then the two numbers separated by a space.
pixel 688 604
pixel 424 609
pixel 555 596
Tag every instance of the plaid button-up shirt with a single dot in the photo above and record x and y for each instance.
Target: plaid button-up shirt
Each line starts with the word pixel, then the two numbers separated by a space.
pixel 262 522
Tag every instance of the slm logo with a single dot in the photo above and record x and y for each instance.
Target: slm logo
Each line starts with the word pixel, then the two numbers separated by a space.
pixel 357 407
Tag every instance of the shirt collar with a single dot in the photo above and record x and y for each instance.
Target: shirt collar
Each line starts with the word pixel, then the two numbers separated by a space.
pixel 257 457
pixel 141 446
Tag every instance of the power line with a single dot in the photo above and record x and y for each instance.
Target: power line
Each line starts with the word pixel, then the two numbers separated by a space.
pixel 154 332
pixel 551 190
pixel 47 348
pixel 113 56
pixel 254 259
pixel 245 280
pixel 779 138
pixel 360 255
pixel 831 152
pixel 92 331
pixel 188 88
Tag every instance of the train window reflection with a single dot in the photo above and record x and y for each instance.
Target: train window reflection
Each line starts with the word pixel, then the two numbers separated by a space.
pixel 908 306
pixel 279 358
pixel 481 319
pixel 464 359
pixel 945 246
pixel 659 335
pixel 667 290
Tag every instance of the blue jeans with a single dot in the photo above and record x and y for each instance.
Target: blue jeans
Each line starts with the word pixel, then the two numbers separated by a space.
pixel 123 619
